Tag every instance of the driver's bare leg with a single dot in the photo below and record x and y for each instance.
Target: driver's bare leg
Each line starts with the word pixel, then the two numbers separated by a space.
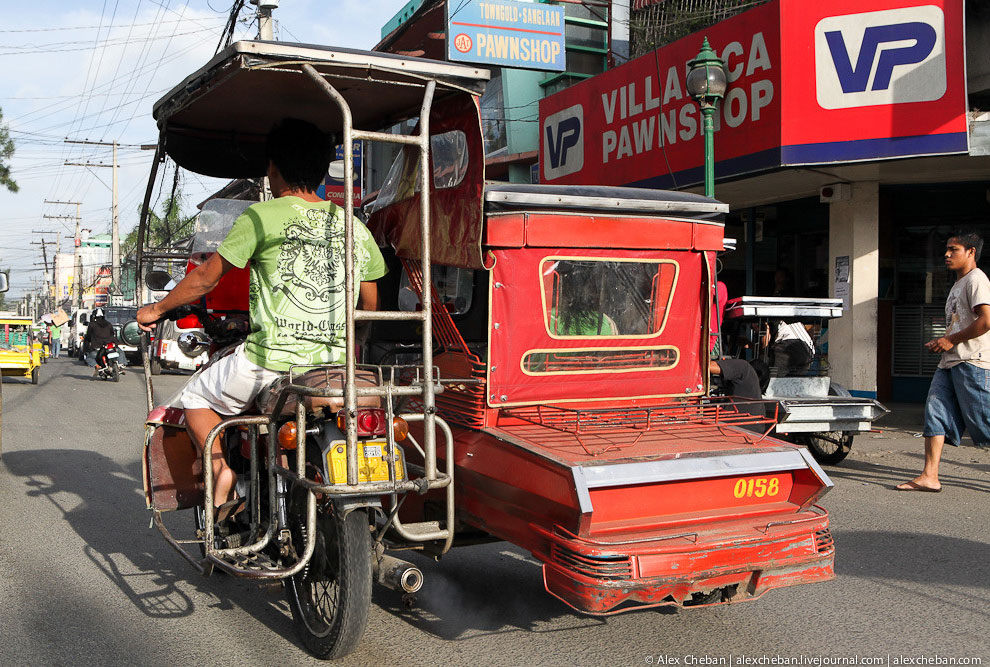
pixel 199 423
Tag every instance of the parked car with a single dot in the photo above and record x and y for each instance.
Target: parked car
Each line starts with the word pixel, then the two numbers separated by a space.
pixel 118 316
pixel 182 344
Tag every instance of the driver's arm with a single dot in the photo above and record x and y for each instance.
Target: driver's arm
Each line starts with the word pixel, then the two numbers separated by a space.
pixel 368 295
pixel 197 283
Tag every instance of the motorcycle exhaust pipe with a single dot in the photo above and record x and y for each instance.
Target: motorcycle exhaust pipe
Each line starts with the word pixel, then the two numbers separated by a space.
pixel 399 575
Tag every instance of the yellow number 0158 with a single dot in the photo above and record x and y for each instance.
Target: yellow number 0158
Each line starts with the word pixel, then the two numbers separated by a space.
pixel 748 488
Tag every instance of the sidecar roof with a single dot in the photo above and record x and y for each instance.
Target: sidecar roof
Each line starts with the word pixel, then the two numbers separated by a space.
pixel 215 121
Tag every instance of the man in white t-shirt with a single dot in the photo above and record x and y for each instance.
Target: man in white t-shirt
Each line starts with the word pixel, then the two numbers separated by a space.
pixel 959 396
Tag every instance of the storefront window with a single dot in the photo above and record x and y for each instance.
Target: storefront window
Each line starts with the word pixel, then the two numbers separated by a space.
pixel 493 115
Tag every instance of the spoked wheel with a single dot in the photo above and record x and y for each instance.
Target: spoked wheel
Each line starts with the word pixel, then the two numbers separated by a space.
pixel 829 448
pixel 330 597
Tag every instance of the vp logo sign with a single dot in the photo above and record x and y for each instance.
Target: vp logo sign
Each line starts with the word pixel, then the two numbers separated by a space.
pixel 887 57
pixel 563 145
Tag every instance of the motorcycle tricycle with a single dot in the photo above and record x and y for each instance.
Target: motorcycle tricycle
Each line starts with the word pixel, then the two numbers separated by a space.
pixel 537 373
pixel 813 409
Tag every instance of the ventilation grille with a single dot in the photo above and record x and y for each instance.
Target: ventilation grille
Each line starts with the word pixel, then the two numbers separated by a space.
pixel 823 541
pixel 615 568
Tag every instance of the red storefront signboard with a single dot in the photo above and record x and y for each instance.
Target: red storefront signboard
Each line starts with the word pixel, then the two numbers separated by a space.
pixel 809 83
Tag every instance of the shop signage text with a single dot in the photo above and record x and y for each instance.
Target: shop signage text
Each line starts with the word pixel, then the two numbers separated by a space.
pixel 525 35
pixel 808 83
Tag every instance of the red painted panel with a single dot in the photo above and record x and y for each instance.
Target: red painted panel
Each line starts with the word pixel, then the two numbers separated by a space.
pixel 654 505
pixel 589 231
pixel 231 293
pixel 519 327
pixel 505 231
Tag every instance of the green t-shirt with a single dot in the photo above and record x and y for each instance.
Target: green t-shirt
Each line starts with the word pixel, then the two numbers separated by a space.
pixel 296 251
pixel 583 323
pixel 55 331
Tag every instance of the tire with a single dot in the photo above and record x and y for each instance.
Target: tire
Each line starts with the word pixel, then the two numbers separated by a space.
pixel 155 365
pixel 828 448
pixel 832 447
pixel 35 375
pixel 331 596
pixel 115 373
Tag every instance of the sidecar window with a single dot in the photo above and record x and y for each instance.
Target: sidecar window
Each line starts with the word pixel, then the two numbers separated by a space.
pixel 214 221
pixel 454 285
pixel 604 298
pixel 450 164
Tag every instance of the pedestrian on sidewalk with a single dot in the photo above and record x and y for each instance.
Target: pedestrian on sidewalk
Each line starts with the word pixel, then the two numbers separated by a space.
pixel 56 337
pixel 959 396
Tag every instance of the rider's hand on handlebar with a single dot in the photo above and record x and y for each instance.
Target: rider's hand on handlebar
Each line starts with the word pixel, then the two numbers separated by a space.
pixel 148 316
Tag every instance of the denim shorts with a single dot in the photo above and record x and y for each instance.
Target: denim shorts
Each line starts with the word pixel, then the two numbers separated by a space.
pixel 959 400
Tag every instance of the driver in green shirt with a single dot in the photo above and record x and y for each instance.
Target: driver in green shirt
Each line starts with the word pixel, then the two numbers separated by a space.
pixel 294 244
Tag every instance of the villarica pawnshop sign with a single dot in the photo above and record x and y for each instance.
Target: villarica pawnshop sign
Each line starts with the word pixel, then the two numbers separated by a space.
pixel 809 83
pixel 525 35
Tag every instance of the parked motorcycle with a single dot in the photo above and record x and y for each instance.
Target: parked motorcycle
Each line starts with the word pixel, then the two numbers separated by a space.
pixel 108 363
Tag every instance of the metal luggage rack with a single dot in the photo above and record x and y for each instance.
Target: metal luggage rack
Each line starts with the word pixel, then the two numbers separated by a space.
pixel 679 416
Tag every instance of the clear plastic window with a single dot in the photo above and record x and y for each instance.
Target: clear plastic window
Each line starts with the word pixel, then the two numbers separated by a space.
pixel 616 360
pixel 586 298
pixel 450 163
pixel 454 285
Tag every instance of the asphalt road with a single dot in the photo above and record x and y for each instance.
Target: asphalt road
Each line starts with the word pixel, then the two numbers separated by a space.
pixel 85 580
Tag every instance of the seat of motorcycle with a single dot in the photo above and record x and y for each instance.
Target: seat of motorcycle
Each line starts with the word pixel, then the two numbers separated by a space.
pixel 318 378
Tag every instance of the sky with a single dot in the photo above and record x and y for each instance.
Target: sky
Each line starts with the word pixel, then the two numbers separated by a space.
pixel 92 70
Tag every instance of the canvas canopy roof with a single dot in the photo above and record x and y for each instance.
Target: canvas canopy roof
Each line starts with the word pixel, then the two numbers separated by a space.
pixel 215 121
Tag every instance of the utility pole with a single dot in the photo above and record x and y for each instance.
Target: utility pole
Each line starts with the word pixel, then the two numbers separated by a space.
pixel 115 228
pixel 265 8
pixel 45 301
pixel 77 283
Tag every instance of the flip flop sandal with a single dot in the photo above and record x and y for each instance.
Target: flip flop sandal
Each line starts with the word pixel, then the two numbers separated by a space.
pixel 914 486
pixel 229 509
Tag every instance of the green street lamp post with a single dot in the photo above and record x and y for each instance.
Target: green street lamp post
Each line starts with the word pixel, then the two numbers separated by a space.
pixel 706 83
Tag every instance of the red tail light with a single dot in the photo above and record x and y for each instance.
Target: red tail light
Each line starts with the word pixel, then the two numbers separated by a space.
pixel 369 422
pixel 110 346
pixel 188 322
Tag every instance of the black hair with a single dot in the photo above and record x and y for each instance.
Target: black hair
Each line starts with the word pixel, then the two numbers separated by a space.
pixel 969 238
pixel 300 152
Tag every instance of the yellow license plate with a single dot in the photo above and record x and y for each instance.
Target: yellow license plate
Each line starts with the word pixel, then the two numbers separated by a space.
pixel 372 462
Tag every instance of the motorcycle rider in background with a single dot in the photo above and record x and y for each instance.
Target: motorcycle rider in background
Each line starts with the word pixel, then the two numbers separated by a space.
pixel 99 333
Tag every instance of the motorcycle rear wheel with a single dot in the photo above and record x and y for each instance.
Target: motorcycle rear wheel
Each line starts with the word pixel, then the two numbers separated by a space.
pixel 331 596
pixel 115 373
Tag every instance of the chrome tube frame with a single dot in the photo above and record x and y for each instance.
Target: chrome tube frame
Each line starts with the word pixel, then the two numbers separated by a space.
pixel 426 387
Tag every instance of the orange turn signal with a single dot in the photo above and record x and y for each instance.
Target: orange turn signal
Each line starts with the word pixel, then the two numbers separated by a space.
pixel 287 435
pixel 400 428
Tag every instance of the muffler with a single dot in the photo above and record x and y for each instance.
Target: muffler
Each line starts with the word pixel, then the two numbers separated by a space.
pixel 399 575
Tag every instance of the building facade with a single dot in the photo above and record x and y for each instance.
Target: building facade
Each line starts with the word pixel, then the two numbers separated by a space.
pixel 845 173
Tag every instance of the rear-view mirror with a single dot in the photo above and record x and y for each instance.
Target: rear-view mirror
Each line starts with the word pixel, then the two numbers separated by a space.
pixel 157 280
pixel 4 282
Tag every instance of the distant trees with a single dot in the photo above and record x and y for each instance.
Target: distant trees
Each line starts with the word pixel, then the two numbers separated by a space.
pixel 6 152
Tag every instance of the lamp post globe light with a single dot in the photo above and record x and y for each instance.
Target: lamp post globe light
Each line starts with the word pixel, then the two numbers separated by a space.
pixel 706 83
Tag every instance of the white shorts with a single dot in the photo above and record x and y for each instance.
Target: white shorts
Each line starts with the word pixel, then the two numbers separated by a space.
pixel 228 386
